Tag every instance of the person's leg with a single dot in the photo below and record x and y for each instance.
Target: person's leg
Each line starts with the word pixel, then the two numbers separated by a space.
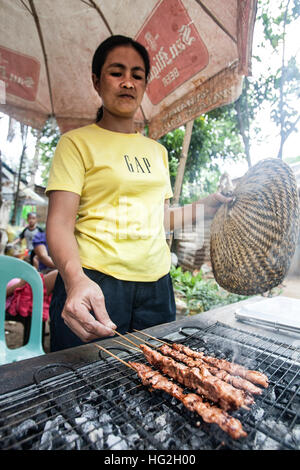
pixel 49 280
pixel 118 297
pixel 154 304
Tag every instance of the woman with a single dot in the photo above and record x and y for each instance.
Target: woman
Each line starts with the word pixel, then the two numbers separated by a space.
pixel 105 228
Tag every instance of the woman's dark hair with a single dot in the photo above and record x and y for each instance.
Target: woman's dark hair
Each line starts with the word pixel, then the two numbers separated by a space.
pixel 108 45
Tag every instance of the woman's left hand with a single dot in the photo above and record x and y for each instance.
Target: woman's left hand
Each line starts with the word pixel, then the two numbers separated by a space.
pixel 213 202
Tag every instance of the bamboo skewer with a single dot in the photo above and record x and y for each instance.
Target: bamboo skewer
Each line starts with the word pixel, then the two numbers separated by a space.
pixel 113 355
pixel 153 337
pixel 126 339
pixel 144 342
pixel 126 345
pixel 140 339
pixel 121 360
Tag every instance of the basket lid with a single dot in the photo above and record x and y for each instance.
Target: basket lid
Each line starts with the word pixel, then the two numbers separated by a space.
pixel 253 238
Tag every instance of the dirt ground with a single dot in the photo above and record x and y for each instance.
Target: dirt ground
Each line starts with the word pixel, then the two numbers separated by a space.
pixel 14 330
pixel 14 335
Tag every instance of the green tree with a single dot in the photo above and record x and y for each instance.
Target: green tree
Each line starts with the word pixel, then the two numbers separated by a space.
pixel 214 137
pixel 48 140
pixel 286 75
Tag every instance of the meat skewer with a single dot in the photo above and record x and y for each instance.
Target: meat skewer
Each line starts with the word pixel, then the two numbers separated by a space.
pixel 232 368
pixel 209 413
pixel 237 382
pixel 199 379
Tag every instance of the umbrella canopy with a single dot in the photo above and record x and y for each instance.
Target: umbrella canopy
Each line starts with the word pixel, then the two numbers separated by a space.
pixel 199 49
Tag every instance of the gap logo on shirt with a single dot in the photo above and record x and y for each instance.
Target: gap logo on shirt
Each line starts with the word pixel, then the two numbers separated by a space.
pixel 137 165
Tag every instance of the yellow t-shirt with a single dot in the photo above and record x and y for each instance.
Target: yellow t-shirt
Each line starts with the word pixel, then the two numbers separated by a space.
pixel 122 180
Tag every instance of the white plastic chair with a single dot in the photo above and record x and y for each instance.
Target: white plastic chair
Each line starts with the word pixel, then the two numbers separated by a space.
pixel 11 268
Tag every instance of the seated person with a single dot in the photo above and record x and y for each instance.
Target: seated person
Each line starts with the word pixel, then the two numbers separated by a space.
pixel 45 263
pixel 19 296
pixel 29 233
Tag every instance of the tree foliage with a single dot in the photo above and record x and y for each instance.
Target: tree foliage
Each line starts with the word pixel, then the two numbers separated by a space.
pixel 286 75
pixel 48 142
pixel 214 137
pixel 228 132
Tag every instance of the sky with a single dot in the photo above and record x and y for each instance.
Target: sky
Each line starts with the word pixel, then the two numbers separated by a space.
pixel 260 150
pixel 270 145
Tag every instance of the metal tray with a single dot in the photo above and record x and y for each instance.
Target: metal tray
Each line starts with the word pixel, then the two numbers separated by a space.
pixel 281 313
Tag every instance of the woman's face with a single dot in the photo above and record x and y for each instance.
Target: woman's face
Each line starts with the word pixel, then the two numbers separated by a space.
pixel 122 82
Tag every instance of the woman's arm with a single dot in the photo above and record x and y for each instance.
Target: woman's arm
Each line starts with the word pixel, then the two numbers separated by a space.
pixel 177 218
pixel 83 295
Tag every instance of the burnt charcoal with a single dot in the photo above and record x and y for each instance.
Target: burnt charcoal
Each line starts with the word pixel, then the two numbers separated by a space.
pixel 93 397
pixel 149 421
pixel 24 429
pixel 89 412
pixel 106 423
pixel 171 444
pixel 257 414
pixel 263 442
pixel 94 433
pixel 161 420
pixel 161 436
pixel 196 439
pixel 133 439
pixel 115 442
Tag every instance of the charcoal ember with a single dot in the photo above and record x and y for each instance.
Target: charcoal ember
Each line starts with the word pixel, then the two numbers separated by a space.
pixel 111 394
pixel 122 393
pixel 23 429
pixel 133 438
pixel 131 433
pixel 293 438
pixel 161 436
pixel 138 412
pixel 257 414
pixel 272 394
pixel 69 411
pixel 161 420
pixel 196 439
pixel 95 435
pixel 263 442
pixel 170 444
pixel 116 442
pixel 89 412
pixel 59 433
pixel 149 421
pixel 275 428
pixel 90 426
pixel 50 433
pixel 106 423
pixel 93 397
pixel 72 439
pixel 80 420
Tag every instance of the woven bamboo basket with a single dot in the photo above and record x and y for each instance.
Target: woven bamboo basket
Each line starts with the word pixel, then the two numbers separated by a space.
pixel 253 238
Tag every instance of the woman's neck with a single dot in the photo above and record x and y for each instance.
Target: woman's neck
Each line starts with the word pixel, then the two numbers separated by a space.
pixel 117 124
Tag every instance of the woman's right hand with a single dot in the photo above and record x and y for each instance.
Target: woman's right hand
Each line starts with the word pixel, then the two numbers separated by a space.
pixel 84 296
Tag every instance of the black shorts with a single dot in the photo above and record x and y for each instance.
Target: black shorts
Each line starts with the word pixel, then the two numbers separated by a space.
pixel 130 305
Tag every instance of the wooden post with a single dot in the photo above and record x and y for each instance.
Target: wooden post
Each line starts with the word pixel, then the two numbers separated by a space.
pixel 181 168
pixel 182 162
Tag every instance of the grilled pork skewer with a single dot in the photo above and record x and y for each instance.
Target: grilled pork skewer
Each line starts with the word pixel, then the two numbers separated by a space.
pixel 233 369
pixel 209 413
pixel 199 379
pixel 237 382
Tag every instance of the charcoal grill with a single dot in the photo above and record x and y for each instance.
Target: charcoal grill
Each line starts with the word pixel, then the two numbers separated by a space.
pixel 102 405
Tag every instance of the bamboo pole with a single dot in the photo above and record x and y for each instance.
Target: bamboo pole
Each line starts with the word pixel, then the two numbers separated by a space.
pixel 181 168
pixel 182 161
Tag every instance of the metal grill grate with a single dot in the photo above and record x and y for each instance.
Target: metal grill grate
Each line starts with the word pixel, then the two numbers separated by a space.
pixel 104 406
